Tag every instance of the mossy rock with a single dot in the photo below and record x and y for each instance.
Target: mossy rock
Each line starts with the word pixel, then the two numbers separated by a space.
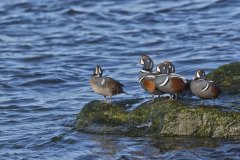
pixel 161 118
pixel 165 117
pixel 228 77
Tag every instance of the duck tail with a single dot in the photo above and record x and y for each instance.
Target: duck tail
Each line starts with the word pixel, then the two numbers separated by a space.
pixel 125 93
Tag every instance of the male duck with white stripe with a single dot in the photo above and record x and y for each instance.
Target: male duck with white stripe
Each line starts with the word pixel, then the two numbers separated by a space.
pixel 147 76
pixel 105 86
pixel 203 88
pixel 169 82
pixel 171 70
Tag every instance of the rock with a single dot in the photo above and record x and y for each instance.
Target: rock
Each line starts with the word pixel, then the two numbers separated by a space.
pixel 161 118
pixel 165 117
pixel 228 77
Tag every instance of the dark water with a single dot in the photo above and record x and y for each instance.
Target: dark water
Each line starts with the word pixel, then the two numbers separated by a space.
pixel 48 51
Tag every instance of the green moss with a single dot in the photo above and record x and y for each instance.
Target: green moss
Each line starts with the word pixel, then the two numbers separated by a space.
pixel 163 117
pixel 228 77
pixel 100 112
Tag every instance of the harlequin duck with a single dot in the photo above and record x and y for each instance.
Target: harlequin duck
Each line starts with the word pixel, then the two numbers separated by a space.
pixel 171 70
pixel 105 86
pixel 203 88
pixel 147 76
pixel 169 82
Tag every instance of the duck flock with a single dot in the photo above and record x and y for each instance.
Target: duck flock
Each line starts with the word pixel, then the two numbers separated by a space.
pixel 163 80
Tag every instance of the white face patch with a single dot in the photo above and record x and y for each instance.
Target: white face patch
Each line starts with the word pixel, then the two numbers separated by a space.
pixel 170 67
pixel 158 69
pixel 142 62
pixel 198 75
pixel 164 68
pixel 96 70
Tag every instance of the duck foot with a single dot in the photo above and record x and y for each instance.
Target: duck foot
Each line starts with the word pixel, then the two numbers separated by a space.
pixel 173 97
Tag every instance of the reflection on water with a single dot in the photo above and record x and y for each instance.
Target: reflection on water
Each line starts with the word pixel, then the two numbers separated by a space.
pixel 176 147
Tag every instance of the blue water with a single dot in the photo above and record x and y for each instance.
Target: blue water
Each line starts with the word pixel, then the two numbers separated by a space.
pixel 49 48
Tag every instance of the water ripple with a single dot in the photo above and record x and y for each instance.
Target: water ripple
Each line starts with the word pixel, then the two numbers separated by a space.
pixel 49 51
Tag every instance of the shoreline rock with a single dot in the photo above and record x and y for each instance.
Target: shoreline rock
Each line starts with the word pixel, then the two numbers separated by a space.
pixel 161 118
pixel 166 117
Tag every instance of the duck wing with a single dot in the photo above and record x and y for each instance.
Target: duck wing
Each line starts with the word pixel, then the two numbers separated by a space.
pixel 161 80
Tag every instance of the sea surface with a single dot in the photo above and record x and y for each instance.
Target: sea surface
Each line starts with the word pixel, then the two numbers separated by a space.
pixel 49 49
